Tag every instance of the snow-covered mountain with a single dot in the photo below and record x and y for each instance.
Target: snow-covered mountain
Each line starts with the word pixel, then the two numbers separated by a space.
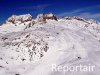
pixel 30 46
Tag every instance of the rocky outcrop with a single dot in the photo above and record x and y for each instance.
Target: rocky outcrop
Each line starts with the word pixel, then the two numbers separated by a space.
pixel 19 19
pixel 29 24
pixel 14 19
pixel 50 16
pixel 88 21
pixel 44 17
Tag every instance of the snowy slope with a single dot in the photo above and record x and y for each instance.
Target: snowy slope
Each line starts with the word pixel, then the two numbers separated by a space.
pixel 31 48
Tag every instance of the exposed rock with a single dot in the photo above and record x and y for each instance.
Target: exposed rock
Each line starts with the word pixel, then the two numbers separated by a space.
pixel 50 16
pixel 43 17
pixel 19 19
pixel 29 24
pixel 89 21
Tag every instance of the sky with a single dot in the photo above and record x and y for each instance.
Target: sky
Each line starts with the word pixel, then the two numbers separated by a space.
pixel 82 8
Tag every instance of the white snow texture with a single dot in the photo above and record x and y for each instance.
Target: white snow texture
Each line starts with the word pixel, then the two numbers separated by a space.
pixel 30 47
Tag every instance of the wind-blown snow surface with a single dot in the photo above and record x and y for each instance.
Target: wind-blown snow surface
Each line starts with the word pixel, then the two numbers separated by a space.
pixel 32 51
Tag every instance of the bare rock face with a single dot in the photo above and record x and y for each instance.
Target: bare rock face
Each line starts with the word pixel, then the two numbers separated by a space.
pixel 19 19
pixel 40 18
pixel 50 16
pixel 44 17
